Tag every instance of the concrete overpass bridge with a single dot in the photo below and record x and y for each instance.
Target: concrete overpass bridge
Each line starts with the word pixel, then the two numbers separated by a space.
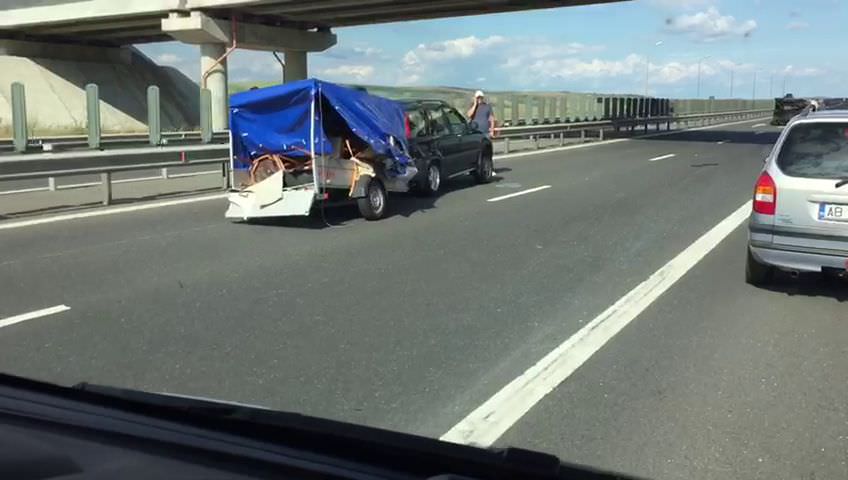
pixel 294 27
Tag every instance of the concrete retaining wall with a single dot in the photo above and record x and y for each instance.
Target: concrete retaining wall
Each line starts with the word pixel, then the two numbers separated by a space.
pixel 55 92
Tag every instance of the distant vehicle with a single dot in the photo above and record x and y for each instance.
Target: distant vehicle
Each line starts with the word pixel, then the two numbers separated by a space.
pixel 800 213
pixel 445 145
pixel 787 107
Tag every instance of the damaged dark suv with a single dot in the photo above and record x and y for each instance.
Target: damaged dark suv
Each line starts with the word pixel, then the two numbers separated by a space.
pixel 445 145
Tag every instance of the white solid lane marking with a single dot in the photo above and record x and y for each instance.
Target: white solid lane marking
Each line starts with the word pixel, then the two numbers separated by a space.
pixel 516 194
pixel 489 421
pixel 722 142
pixel 29 316
pixel 758 125
pixel 662 157
pixel 108 211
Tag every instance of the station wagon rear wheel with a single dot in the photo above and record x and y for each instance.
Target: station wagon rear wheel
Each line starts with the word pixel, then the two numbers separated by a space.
pixel 757 273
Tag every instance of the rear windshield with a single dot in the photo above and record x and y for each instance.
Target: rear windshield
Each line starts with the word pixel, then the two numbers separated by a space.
pixel 815 150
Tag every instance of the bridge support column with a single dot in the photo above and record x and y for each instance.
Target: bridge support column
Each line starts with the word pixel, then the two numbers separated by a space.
pixel 216 82
pixel 296 66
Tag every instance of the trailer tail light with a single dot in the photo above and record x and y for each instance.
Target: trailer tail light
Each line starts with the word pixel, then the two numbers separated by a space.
pixel 765 195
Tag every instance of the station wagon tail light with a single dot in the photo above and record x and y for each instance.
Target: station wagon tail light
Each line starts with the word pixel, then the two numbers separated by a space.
pixel 765 195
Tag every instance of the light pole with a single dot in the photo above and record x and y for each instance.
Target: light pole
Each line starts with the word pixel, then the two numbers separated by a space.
pixel 648 67
pixel 754 93
pixel 731 82
pixel 771 83
pixel 699 75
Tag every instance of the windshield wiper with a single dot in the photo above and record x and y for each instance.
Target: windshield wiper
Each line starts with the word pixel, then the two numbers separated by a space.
pixel 842 182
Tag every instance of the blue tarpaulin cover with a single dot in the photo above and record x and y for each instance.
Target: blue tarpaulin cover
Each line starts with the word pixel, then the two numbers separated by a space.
pixel 277 120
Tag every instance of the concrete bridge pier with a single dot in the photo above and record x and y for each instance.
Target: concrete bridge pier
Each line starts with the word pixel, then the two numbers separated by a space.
pixel 215 36
pixel 216 81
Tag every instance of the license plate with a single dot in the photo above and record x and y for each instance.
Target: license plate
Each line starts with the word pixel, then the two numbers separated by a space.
pixel 833 211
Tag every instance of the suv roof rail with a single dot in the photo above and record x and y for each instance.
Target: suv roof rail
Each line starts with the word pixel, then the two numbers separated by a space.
pixel 423 100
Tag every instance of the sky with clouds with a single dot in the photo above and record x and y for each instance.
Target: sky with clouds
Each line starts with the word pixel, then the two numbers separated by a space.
pixel 601 48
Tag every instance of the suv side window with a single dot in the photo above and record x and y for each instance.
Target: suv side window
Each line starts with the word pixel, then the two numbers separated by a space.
pixel 439 124
pixel 417 124
pixel 458 124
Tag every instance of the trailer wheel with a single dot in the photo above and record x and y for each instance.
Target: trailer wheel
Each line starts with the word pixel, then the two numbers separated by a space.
pixel 373 205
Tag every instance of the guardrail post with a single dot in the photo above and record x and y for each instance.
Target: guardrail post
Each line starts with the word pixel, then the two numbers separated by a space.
pixel 668 125
pixel 92 109
pixel 561 139
pixel 582 135
pixel 225 172
pixel 646 126
pixel 601 134
pixel 205 115
pixel 154 117
pixel 535 141
pixel 51 184
pixel 106 181
pixel 164 173
pixel 506 145
pixel 19 120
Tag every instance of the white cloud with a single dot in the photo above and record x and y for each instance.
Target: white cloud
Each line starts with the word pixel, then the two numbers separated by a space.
pixel 168 59
pixel 367 51
pixel 798 25
pixel 450 49
pixel 357 73
pixel 710 25
pixel 803 72
pixel 576 68
pixel 681 4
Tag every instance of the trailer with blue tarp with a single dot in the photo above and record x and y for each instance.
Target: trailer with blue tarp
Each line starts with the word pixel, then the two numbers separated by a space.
pixel 313 141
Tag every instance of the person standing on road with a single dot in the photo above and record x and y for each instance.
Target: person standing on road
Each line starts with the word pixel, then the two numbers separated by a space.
pixel 482 114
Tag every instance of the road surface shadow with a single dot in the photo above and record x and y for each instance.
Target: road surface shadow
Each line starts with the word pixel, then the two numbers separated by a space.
pixel 810 285
pixel 399 205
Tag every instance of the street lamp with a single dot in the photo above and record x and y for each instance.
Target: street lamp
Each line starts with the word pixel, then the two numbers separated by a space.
pixel 648 67
pixel 754 94
pixel 771 85
pixel 699 75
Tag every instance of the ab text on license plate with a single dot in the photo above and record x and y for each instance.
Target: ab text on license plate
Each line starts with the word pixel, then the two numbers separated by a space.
pixel 831 211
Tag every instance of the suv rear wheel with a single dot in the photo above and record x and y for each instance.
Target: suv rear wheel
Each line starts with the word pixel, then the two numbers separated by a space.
pixel 485 167
pixel 756 273
pixel 432 180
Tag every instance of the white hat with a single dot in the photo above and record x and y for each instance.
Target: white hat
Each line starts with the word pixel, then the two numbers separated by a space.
pixel 478 93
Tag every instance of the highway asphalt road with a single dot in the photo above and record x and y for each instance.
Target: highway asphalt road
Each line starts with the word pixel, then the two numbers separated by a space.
pixel 413 322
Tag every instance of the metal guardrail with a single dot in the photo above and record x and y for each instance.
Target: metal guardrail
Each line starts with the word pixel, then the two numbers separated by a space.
pixel 108 141
pixel 534 132
pixel 106 162
pixel 51 165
